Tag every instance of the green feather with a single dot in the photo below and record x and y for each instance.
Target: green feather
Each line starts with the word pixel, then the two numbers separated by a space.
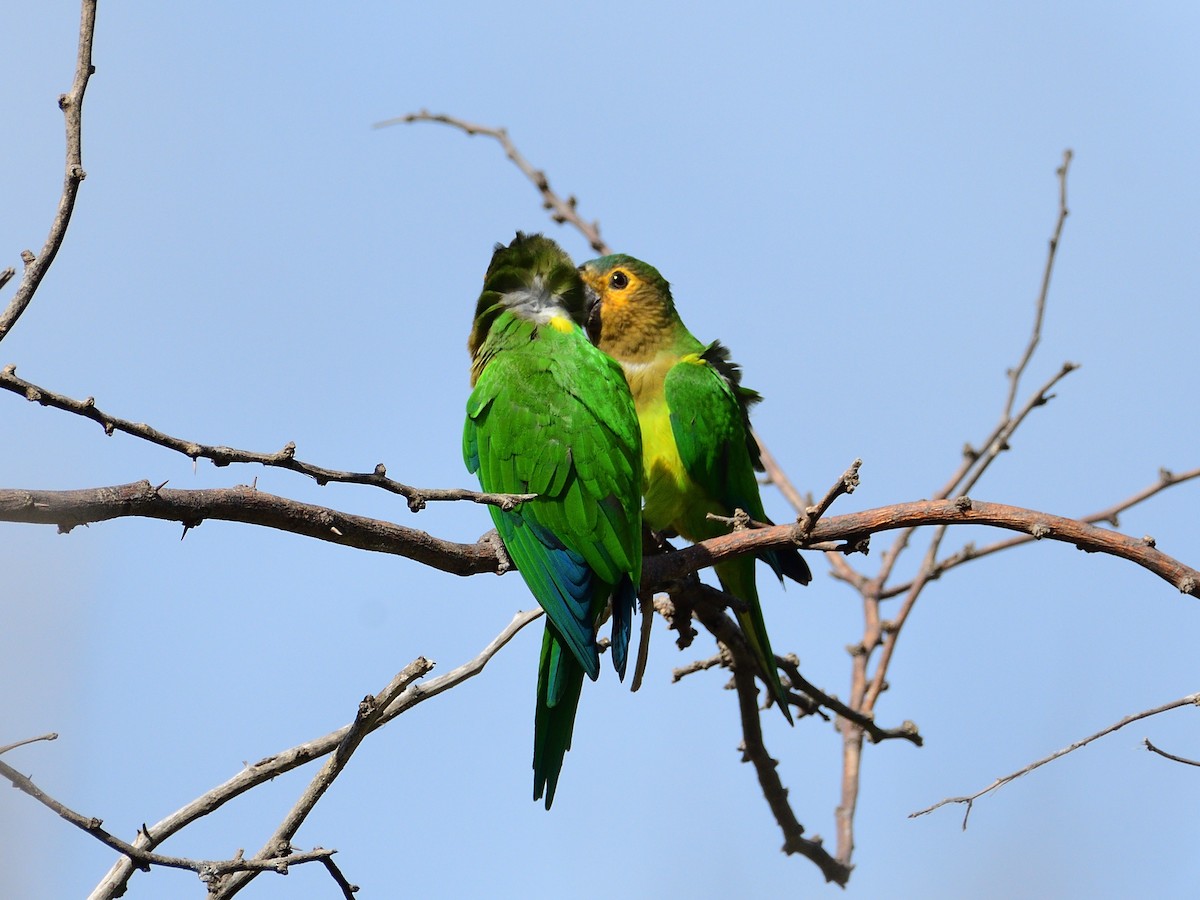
pixel 633 316
pixel 550 414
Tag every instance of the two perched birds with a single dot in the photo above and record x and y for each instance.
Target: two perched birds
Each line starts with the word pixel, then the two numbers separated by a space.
pixel 642 409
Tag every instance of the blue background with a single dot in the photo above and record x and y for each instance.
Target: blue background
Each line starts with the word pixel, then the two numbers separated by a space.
pixel 856 199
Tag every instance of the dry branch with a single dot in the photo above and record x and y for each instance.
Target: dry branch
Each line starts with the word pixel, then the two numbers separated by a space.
pixel 561 211
pixel 68 509
pixel 71 103
pixel 223 456
pixel 142 859
pixel 1189 700
pixel 115 882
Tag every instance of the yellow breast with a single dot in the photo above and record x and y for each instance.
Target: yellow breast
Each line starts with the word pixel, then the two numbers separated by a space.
pixel 667 484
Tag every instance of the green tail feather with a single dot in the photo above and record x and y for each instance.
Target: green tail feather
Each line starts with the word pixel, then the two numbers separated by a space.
pixel 560 682
pixel 737 577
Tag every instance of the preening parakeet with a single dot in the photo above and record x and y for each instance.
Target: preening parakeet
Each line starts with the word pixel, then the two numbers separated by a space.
pixel 699 454
pixel 552 415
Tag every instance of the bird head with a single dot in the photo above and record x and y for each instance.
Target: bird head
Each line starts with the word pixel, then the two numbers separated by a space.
pixel 630 312
pixel 532 278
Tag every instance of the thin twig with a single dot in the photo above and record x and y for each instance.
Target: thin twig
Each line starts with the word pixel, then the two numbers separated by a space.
pixel 50 736
pixel 114 883
pixel 207 869
pixel 1189 700
pixel 223 456
pixel 1016 373
pixel 844 485
pixel 370 712
pixel 1170 756
pixel 561 211
pixel 71 103
pixel 710 611
pixel 906 730
pixel 865 688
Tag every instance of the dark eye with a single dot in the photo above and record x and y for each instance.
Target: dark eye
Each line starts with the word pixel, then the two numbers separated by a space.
pixel 619 280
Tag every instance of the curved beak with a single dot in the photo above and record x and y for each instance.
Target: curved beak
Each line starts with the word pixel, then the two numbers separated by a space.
pixel 591 305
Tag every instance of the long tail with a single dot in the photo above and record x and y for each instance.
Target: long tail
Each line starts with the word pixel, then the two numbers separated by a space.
pixel 737 577
pixel 789 563
pixel 560 682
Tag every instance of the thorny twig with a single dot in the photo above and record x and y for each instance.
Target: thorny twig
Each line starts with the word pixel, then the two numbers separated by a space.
pixel 1171 756
pixel 114 883
pixel 1189 700
pixel 223 456
pixel 881 635
pixel 207 869
pixel 370 715
pixel 561 211
pixel 71 103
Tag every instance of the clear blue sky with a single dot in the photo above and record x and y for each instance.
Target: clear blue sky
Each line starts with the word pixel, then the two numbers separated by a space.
pixel 857 200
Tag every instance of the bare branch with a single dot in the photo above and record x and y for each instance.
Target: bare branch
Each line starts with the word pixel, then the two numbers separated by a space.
pixel 115 882
pixel 71 104
pixel 68 509
pixel 561 211
pixel 960 511
pixel 1109 515
pixel 370 712
pixel 697 665
pixel 51 736
pixel 1017 371
pixel 1170 756
pixel 865 689
pixel 1189 700
pixel 223 456
pixel 206 869
pixel 723 628
pixel 844 485
pixel 906 730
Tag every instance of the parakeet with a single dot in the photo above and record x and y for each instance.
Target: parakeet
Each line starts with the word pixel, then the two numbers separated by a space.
pixel 550 414
pixel 699 455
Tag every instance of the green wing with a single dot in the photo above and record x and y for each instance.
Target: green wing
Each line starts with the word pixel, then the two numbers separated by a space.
pixel 552 415
pixel 710 429
pixel 555 418
pixel 709 421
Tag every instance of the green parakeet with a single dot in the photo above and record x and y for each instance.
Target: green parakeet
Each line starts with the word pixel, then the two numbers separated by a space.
pixel 552 415
pixel 699 455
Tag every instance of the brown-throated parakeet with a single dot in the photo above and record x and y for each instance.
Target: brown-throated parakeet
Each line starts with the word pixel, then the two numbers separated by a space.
pixel 699 455
pixel 551 415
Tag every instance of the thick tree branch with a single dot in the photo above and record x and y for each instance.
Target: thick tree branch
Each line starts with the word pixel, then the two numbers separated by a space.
pixel 223 456
pixel 961 511
pixel 68 509
pixel 1109 515
pixel 71 104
